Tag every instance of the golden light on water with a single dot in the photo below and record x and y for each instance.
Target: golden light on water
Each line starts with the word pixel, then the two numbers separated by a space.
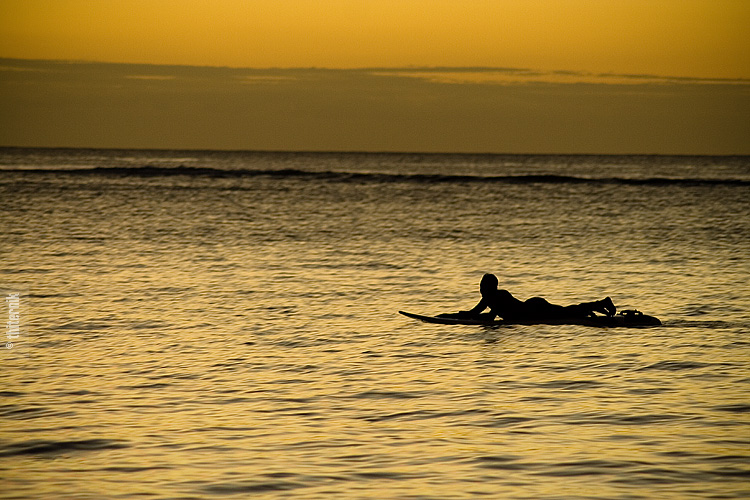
pixel 213 335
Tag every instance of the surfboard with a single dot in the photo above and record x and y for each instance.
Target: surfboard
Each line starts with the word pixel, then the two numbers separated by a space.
pixel 629 318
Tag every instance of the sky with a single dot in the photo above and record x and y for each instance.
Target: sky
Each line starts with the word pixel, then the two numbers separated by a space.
pixel 516 76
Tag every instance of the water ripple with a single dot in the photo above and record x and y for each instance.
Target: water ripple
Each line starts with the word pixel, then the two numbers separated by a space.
pixel 40 446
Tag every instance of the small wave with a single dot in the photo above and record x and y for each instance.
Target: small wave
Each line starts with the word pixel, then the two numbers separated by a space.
pixel 246 487
pixel 499 422
pixel 620 419
pixel 420 415
pixel 502 462
pixel 155 385
pixel 385 395
pixel 715 324
pixel 129 470
pixel 738 408
pixel 152 171
pixel 571 385
pixel 675 365
pixel 588 468
pixel 36 447
pixel 27 413
pixel 92 325
pixel 379 475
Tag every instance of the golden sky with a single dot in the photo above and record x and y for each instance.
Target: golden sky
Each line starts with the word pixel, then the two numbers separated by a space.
pixel 513 76
pixel 694 38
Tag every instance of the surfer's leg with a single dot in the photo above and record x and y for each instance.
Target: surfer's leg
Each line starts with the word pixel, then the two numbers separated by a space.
pixel 537 307
pixel 580 310
pixel 604 306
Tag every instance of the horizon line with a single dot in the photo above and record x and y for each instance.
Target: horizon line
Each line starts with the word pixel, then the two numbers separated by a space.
pixel 363 152
pixel 402 69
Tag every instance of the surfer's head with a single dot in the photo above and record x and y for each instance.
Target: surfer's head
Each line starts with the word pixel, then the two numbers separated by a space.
pixel 488 283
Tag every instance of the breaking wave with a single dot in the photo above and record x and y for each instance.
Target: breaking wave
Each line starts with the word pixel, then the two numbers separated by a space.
pixel 152 171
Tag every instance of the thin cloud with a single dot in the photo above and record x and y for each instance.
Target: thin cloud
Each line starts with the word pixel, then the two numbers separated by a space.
pixel 20 69
pixel 645 78
pixel 260 79
pixel 515 76
pixel 459 109
pixel 150 77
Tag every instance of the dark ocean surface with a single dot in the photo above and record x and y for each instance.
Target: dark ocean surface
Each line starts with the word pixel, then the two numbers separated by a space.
pixel 198 324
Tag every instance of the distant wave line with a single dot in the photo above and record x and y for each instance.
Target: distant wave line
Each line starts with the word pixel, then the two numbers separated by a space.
pixel 152 171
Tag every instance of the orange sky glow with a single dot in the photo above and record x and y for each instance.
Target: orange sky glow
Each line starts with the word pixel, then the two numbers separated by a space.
pixel 695 38
pixel 524 76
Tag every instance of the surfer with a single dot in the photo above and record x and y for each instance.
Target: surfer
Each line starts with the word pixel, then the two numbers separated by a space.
pixel 501 303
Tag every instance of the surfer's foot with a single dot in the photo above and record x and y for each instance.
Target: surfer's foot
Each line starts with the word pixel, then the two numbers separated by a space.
pixel 608 306
pixel 604 306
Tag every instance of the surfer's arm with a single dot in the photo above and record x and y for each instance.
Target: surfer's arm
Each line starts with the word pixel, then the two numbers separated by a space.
pixel 477 309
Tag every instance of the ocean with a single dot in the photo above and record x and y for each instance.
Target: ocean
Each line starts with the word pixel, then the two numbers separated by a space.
pixel 217 325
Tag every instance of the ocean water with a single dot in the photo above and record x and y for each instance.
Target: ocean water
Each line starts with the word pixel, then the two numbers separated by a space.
pixel 224 325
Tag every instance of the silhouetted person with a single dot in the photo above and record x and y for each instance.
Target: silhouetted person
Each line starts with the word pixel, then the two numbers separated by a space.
pixel 501 303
